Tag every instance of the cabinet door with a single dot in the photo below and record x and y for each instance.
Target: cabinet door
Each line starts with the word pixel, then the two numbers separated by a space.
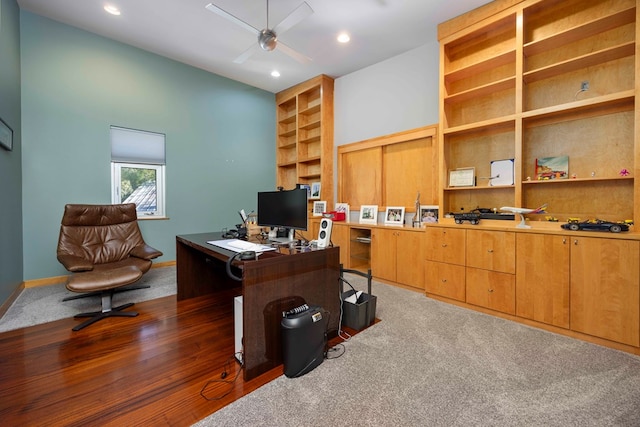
pixel 410 258
pixel 446 280
pixel 340 237
pixel 445 245
pixel 604 288
pixel 491 250
pixel 542 278
pixel 383 253
pixel 491 289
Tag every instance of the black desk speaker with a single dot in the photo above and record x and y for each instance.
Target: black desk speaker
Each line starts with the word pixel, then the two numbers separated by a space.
pixel 303 341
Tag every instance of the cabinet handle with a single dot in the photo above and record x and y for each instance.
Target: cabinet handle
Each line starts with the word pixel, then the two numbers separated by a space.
pixel 490 290
pixel 444 245
pixel 490 251
pixel 444 280
pixel 564 240
pixel 575 242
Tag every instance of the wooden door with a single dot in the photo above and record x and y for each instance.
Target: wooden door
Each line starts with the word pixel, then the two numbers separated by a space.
pixel 410 258
pixel 542 278
pixel 340 237
pixel 383 253
pixel 604 288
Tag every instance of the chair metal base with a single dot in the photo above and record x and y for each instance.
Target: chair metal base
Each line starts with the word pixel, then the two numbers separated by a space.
pixel 107 311
pixel 91 294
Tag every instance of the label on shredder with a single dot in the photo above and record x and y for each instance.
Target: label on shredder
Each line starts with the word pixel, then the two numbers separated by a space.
pixel 316 317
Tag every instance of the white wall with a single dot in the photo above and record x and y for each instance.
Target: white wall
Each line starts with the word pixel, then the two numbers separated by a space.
pixel 395 95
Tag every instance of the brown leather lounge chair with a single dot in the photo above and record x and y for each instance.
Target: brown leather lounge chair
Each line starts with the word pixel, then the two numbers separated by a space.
pixel 103 247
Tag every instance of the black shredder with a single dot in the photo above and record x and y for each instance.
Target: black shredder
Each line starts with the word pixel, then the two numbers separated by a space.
pixel 303 340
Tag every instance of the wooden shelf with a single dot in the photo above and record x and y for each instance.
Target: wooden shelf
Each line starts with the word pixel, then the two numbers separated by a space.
pixel 304 143
pixel 580 62
pixel 578 32
pixel 511 85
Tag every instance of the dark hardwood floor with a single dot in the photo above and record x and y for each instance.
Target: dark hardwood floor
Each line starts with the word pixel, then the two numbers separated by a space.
pixel 145 370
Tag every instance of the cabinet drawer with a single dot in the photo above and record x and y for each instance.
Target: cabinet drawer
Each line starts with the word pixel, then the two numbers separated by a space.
pixel 445 245
pixel 446 280
pixel 491 289
pixel 491 250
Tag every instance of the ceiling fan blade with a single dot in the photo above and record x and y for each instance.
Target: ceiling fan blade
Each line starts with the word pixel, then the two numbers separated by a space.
pixel 247 53
pixel 293 18
pixel 215 9
pixel 293 53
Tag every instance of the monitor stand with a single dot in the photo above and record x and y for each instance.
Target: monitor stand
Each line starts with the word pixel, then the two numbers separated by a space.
pixel 287 239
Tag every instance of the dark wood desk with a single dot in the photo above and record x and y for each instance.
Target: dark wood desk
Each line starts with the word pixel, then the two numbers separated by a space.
pixel 278 281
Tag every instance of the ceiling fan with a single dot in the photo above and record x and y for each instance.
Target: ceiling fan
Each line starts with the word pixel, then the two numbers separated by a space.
pixel 268 37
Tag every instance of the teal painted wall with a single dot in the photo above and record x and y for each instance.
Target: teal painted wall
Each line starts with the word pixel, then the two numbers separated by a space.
pixel 11 270
pixel 220 136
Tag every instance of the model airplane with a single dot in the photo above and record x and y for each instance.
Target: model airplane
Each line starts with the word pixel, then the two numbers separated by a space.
pixel 523 211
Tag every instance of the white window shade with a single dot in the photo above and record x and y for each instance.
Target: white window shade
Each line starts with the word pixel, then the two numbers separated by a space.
pixel 137 146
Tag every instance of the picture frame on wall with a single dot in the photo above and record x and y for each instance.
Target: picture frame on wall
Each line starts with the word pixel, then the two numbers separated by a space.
pixel 319 208
pixel 369 214
pixel 6 136
pixel 394 215
pixel 315 191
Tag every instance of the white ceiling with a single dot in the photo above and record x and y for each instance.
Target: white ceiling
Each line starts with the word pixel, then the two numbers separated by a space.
pixel 185 31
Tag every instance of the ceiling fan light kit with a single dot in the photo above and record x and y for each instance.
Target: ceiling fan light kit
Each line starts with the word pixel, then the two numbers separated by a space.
pixel 268 37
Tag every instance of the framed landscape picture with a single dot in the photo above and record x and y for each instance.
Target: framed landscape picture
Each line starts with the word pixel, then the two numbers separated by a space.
pixel 315 191
pixel 369 214
pixel 552 168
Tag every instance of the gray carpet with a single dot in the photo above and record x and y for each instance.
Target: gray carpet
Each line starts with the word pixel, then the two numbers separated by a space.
pixel 426 363
pixel 429 363
pixel 44 303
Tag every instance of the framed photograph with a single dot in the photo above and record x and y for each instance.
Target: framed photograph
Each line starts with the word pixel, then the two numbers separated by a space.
pixel 463 177
pixel 306 187
pixel 315 190
pixel 319 208
pixel 394 215
pixel 552 168
pixel 369 214
pixel 6 136
pixel 343 207
pixel 429 213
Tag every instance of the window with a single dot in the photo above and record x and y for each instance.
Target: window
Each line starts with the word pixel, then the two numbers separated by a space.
pixel 137 170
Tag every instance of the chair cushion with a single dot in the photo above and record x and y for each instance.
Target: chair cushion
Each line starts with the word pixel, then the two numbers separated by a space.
pixel 102 280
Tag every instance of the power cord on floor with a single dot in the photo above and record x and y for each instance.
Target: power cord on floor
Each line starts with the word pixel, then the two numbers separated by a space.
pixel 223 380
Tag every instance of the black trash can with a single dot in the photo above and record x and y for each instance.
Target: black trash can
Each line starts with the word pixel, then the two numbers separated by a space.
pixel 304 338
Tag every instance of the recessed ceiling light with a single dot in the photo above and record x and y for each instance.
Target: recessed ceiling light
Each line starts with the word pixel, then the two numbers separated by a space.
pixel 344 38
pixel 112 10
pixel 275 73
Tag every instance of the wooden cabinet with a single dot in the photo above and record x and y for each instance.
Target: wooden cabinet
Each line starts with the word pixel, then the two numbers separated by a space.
pixel 445 245
pixel 340 237
pixel 604 288
pixel 491 250
pixel 304 136
pixel 444 273
pixel 360 248
pixel 491 289
pixel 491 267
pixel 447 280
pixel 512 88
pixel 398 256
pixel 390 170
pixel 542 278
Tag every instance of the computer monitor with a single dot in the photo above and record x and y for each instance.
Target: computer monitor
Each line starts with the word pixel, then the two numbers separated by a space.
pixel 283 209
